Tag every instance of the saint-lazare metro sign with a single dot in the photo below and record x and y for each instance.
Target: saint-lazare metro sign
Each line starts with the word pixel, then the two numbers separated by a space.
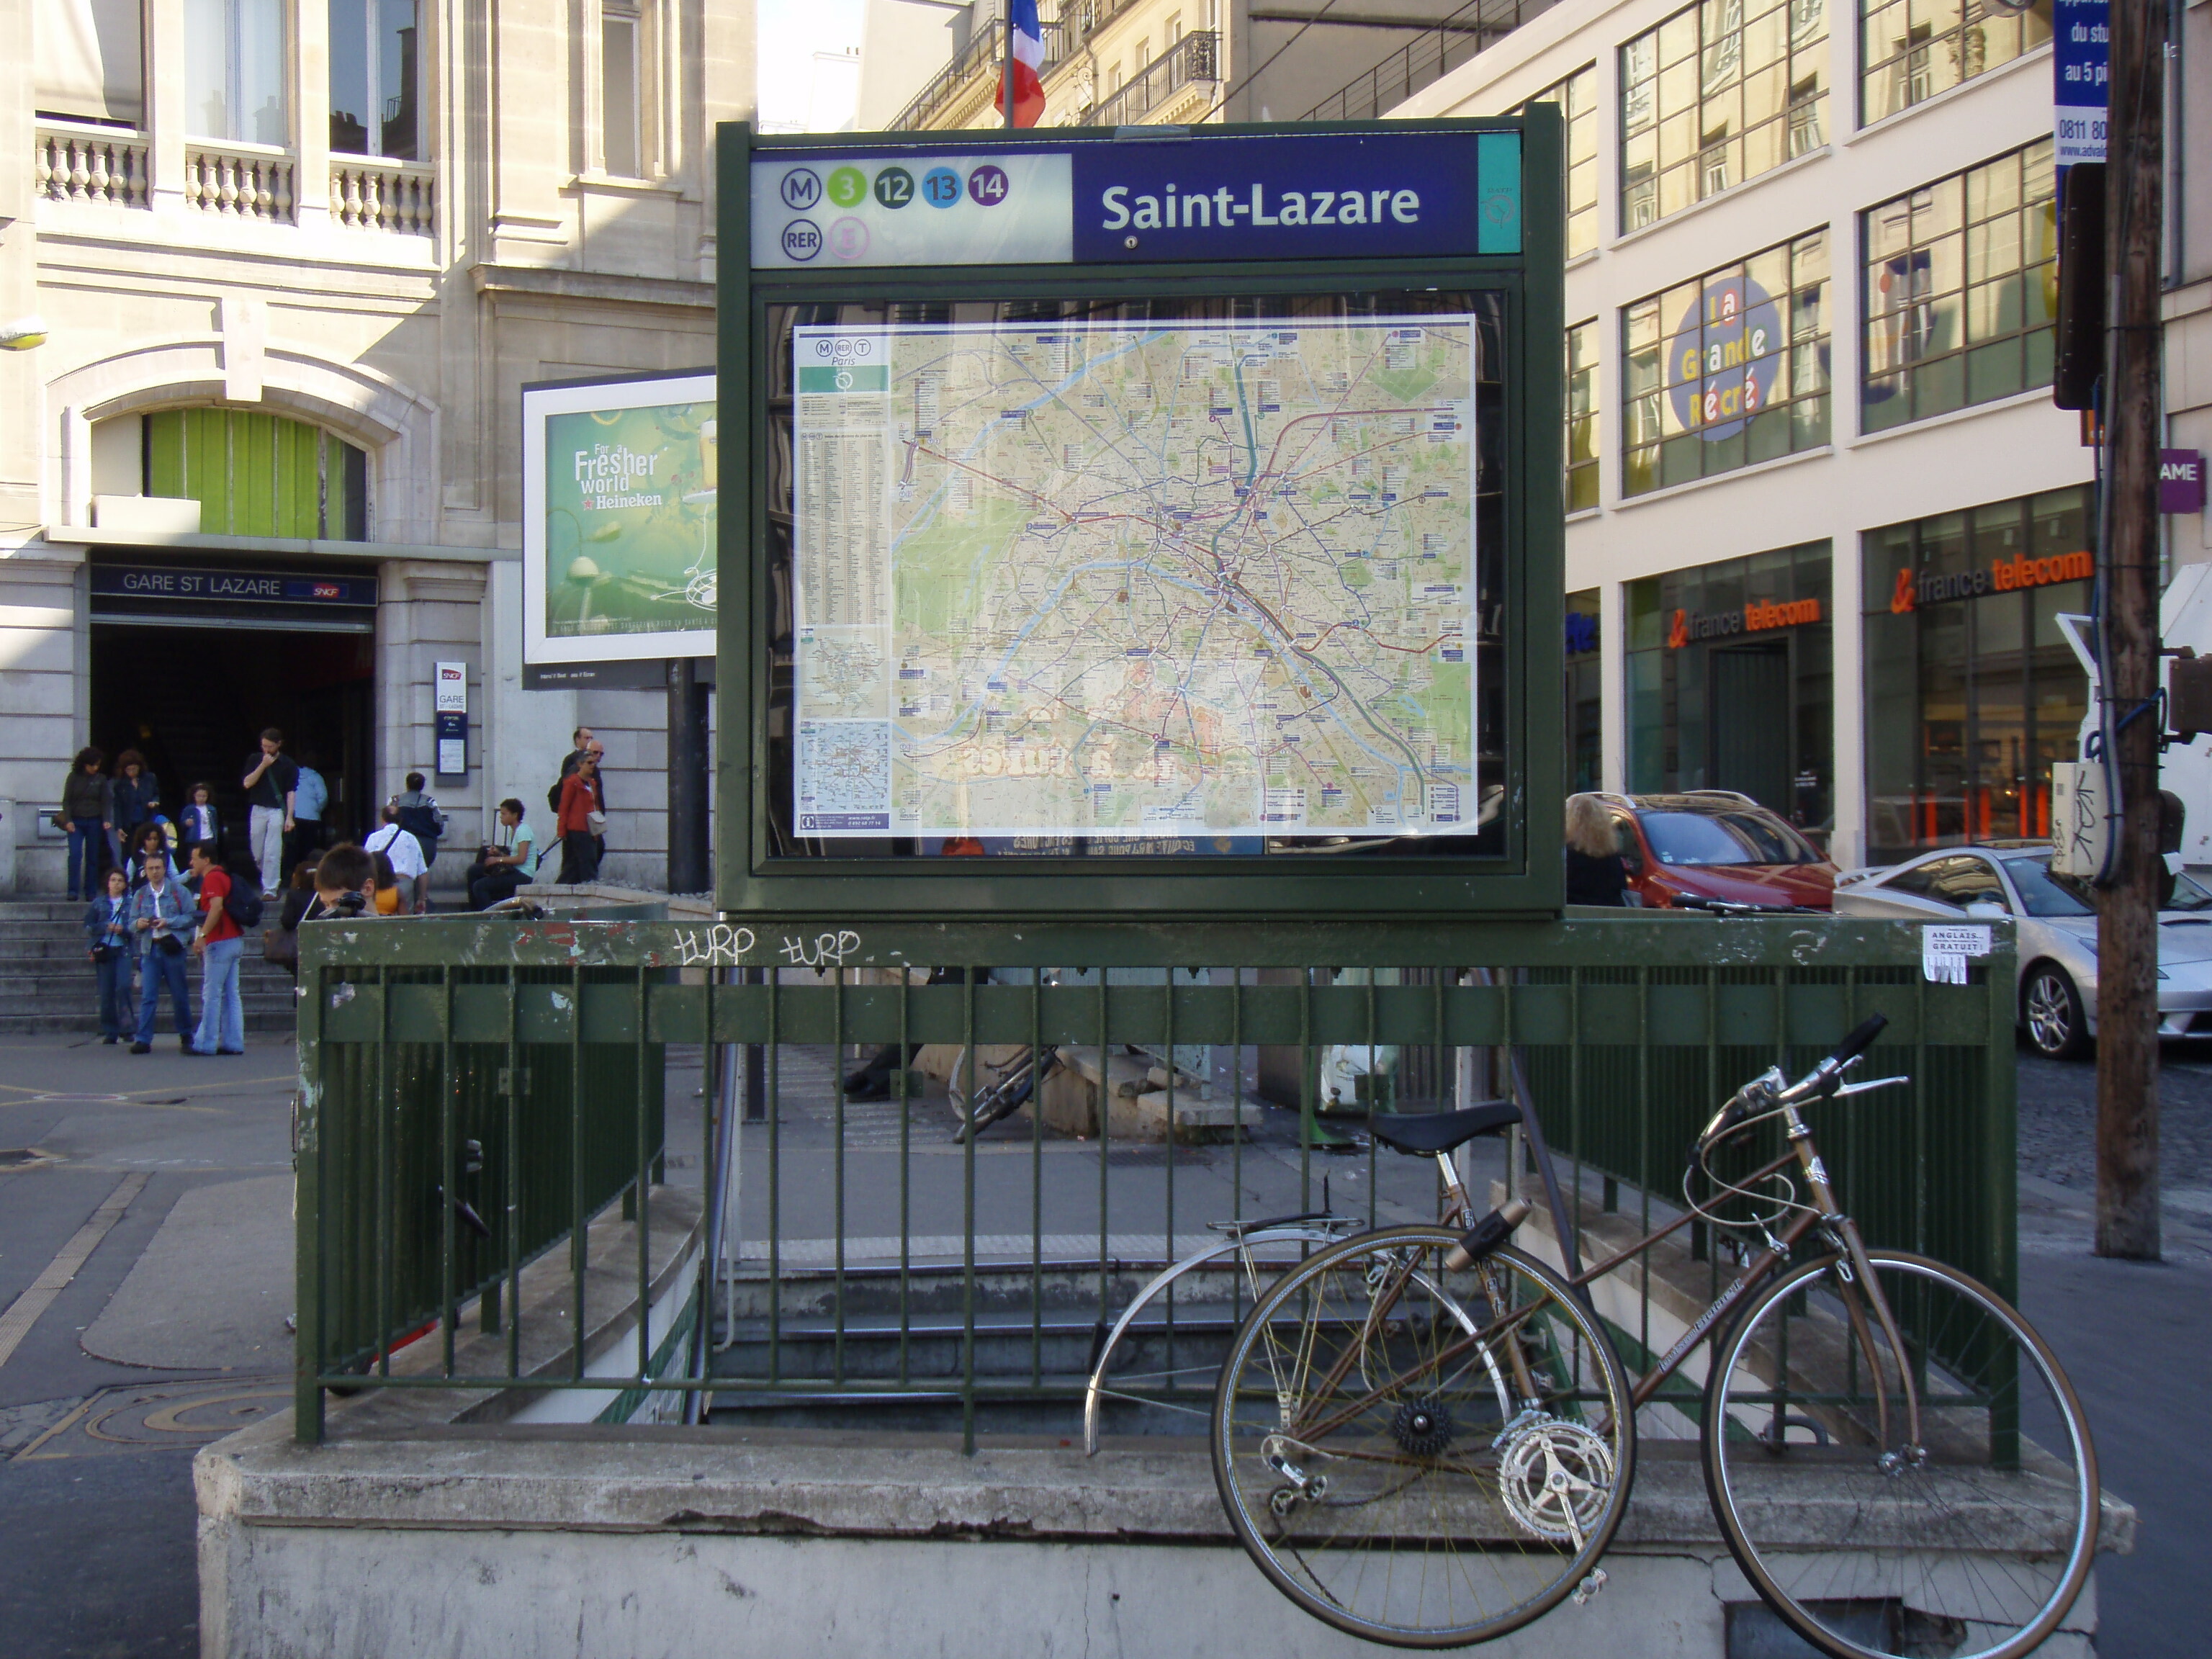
pixel 1143 524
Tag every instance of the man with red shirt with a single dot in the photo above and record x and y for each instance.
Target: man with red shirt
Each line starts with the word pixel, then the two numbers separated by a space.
pixel 218 943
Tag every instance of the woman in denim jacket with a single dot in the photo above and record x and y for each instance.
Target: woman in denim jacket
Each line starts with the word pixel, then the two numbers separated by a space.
pixel 107 932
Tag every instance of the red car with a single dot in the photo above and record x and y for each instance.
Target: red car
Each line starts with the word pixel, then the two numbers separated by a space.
pixel 1716 844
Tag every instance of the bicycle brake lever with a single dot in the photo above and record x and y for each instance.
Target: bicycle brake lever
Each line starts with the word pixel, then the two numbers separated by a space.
pixel 1843 1089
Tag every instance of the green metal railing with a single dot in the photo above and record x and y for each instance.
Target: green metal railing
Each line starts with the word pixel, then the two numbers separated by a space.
pixel 875 1258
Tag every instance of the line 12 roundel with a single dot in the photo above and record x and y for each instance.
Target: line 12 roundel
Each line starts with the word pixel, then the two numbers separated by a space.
pixel 1724 356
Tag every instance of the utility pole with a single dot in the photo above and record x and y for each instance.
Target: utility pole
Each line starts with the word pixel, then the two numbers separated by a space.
pixel 2127 918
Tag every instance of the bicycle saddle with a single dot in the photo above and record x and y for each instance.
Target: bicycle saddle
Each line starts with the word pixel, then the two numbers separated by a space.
pixel 1423 1133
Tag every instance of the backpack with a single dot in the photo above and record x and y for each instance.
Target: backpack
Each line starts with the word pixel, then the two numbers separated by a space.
pixel 243 903
pixel 419 821
pixel 553 795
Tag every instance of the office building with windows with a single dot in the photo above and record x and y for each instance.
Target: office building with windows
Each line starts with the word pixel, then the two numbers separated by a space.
pixel 1822 514
pixel 294 259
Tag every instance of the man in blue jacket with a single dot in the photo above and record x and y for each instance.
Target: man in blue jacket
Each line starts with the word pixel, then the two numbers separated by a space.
pixel 163 916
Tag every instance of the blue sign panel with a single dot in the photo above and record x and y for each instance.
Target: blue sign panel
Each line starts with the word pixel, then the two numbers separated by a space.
pixel 1330 196
pixel 2081 57
pixel 1123 201
pixel 262 586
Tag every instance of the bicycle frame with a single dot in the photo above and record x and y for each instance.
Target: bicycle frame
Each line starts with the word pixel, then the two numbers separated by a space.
pixel 1825 1215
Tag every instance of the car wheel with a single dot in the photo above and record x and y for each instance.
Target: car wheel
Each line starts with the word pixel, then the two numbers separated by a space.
pixel 2051 1009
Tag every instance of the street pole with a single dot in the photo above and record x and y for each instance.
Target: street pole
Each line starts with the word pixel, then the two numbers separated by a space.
pixel 2127 919
pixel 1007 69
pixel 688 767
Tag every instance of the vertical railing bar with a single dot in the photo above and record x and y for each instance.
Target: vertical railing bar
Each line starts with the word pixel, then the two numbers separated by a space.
pixel 968 1227
pixel 1374 1083
pixel 645 1185
pixel 905 1178
pixel 774 1105
pixel 1236 1132
pixel 512 1131
pixel 311 1288
pixel 1105 1142
pixel 1167 1240
pixel 383 1233
pixel 1920 1115
pixel 837 1165
pixel 448 1188
pixel 1036 1177
pixel 1643 1170
pixel 578 1246
pixel 1575 1099
pixel 1307 1084
pixel 1698 1231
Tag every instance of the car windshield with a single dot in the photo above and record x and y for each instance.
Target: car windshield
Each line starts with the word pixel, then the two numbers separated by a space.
pixel 1738 837
pixel 2045 892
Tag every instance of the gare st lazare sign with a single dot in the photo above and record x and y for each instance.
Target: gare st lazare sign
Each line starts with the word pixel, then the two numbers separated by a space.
pixel 1142 491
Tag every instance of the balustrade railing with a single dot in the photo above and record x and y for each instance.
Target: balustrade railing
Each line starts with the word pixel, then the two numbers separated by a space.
pixel 245 181
pixel 70 163
pixel 1195 58
pixel 1427 58
pixel 398 198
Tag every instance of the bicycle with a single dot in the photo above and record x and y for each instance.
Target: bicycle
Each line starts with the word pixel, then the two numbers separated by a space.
pixel 1419 1441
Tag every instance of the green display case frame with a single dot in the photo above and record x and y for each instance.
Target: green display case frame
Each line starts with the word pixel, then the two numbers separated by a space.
pixel 1524 881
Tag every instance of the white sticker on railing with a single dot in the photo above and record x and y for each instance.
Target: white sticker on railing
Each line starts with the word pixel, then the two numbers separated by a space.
pixel 1945 950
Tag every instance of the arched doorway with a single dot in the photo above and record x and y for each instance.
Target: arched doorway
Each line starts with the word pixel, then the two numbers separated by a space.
pixel 194 653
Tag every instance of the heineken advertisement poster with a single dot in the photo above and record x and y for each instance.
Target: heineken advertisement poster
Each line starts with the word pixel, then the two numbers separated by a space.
pixel 619 482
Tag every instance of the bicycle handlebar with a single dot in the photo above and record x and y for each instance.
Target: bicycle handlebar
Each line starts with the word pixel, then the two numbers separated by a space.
pixel 1861 1038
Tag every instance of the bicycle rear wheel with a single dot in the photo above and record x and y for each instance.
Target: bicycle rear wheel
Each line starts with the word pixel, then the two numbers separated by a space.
pixel 1418 1454
pixel 1972 1543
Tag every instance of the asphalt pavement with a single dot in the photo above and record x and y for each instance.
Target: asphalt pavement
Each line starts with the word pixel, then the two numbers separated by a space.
pixel 163 1182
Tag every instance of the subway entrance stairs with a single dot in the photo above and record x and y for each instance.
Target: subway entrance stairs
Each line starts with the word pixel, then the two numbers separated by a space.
pixel 46 982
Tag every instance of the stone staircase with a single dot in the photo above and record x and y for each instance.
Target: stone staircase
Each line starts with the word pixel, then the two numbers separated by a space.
pixel 46 981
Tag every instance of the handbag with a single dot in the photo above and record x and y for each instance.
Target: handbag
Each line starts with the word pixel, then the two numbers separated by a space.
pixel 282 946
pixel 598 822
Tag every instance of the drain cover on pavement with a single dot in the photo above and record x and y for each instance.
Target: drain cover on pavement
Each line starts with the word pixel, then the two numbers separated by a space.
pixel 142 1415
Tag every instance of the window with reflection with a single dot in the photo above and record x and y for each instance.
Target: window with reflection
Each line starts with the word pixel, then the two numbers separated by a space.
pixel 1721 92
pixel 1972 691
pixel 1728 370
pixel 376 77
pixel 1581 416
pixel 1962 290
pixel 1577 97
pixel 1914 49
pixel 234 71
pixel 621 142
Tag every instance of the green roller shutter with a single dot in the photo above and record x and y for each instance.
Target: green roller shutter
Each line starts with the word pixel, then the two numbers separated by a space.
pixel 257 474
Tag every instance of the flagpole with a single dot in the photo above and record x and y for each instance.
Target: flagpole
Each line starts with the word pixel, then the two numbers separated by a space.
pixel 1007 69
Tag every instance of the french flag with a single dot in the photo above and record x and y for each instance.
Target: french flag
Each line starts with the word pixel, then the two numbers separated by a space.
pixel 1028 63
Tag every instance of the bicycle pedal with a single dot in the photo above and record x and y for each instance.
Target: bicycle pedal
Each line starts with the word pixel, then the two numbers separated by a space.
pixel 1588 1588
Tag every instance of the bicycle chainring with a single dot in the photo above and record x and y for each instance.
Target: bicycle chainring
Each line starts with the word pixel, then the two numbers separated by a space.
pixel 1555 1478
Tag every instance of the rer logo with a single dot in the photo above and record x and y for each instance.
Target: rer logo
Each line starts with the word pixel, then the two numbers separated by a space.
pixel 801 189
pixel 802 240
pixel 1723 357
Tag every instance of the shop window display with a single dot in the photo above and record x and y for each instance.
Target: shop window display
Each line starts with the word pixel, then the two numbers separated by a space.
pixel 1972 691
pixel 1713 653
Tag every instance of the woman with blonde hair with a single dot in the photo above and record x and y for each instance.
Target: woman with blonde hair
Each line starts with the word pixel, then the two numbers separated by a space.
pixel 1597 874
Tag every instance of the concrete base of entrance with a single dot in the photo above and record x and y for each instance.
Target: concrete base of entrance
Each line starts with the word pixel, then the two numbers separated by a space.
pixel 628 1543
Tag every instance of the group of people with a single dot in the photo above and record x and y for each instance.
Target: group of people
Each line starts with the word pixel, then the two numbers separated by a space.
pixel 112 818
pixel 148 922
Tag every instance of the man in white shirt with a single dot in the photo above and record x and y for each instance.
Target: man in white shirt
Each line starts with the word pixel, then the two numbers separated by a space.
pixel 406 855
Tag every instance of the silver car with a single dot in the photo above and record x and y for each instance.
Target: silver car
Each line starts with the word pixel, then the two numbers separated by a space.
pixel 2056 925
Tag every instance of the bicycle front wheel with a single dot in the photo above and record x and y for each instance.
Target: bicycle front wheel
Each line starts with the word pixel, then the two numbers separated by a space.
pixel 1969 1536
pixel 1420 1455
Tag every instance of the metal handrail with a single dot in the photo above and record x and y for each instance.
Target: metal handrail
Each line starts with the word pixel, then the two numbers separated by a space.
pixel 1427 58
pixel 979 58
pixel 1196 57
